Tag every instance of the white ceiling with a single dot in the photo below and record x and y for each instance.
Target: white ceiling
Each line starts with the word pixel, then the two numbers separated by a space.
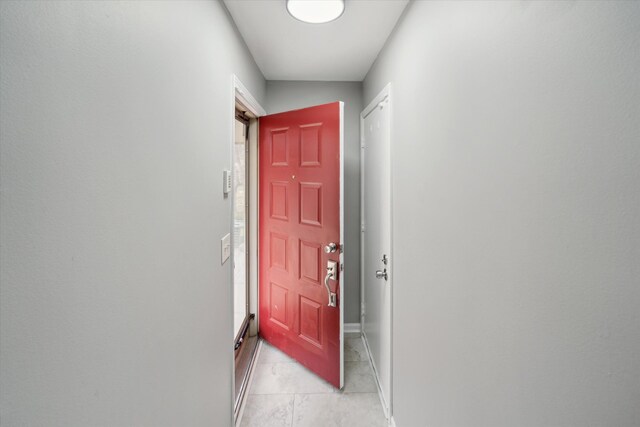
pixel 287 49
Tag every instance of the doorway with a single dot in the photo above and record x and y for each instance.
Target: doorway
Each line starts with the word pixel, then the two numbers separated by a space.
pixel 275 379
pixel 239 236
pixel 245 339
pixel 243 196
pixel 304 356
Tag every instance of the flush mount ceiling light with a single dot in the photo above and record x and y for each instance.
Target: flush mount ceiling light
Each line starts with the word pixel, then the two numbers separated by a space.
pixel 315 11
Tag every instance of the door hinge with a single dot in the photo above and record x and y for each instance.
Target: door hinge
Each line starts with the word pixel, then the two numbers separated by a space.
pixel 362 226
pixel 362 309
pixel 362 143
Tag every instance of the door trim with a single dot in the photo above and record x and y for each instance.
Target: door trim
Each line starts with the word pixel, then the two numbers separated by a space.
pixel 385 94
pixel 240 94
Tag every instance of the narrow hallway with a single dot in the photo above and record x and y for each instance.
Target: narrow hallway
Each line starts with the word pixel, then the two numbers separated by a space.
pixel 457 180
pixel 285 394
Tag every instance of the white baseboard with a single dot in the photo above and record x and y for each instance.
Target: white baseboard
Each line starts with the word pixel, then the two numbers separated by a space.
pixel 351 328
pixel 383 401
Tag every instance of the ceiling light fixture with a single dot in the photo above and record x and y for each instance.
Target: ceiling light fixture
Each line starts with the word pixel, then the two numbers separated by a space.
pixel 315 11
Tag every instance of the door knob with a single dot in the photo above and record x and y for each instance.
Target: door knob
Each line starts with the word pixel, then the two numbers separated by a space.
pixel 382 274
pixel 331 247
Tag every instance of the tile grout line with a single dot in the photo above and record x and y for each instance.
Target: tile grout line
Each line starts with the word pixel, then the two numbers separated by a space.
pixel 275 394
pixel 293 410
pixel 344 392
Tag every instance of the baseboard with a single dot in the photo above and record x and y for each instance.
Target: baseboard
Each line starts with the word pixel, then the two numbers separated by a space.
pixel 350 328
pixel 383 400
pixel 392 422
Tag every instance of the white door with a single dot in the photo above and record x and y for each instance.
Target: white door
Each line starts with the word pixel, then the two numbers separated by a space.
pixel 376 238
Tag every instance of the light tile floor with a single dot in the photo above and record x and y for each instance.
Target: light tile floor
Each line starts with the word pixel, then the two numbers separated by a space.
pixel 285 394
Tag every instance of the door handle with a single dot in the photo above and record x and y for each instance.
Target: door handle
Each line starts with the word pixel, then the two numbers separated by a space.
pixel 382 274
pixel 332 274
pixel 331 247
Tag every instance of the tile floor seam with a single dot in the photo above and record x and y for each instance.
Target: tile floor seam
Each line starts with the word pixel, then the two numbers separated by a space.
pixel 357 392
pixel 273 394
pixel 275 363
pixel 293 410
pixel 278 394
pixel 347 392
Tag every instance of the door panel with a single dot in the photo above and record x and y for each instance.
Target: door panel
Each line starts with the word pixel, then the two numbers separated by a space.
pixel 300 193
pixel 376 241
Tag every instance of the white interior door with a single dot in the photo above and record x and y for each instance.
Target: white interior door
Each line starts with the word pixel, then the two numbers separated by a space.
pixel 376 238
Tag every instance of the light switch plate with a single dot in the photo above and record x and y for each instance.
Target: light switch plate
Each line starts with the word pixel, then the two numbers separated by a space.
pixel 226 182
pixel 225 246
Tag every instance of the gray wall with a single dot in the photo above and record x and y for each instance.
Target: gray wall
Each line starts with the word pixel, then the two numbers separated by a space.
pixel 291 95
pixel 516 158
pixel 115 129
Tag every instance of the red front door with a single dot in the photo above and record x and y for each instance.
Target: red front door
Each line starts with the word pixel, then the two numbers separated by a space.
pixel 300 193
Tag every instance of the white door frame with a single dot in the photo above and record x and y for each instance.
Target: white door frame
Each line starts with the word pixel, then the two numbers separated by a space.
pixel 383 97
pixel 240 94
